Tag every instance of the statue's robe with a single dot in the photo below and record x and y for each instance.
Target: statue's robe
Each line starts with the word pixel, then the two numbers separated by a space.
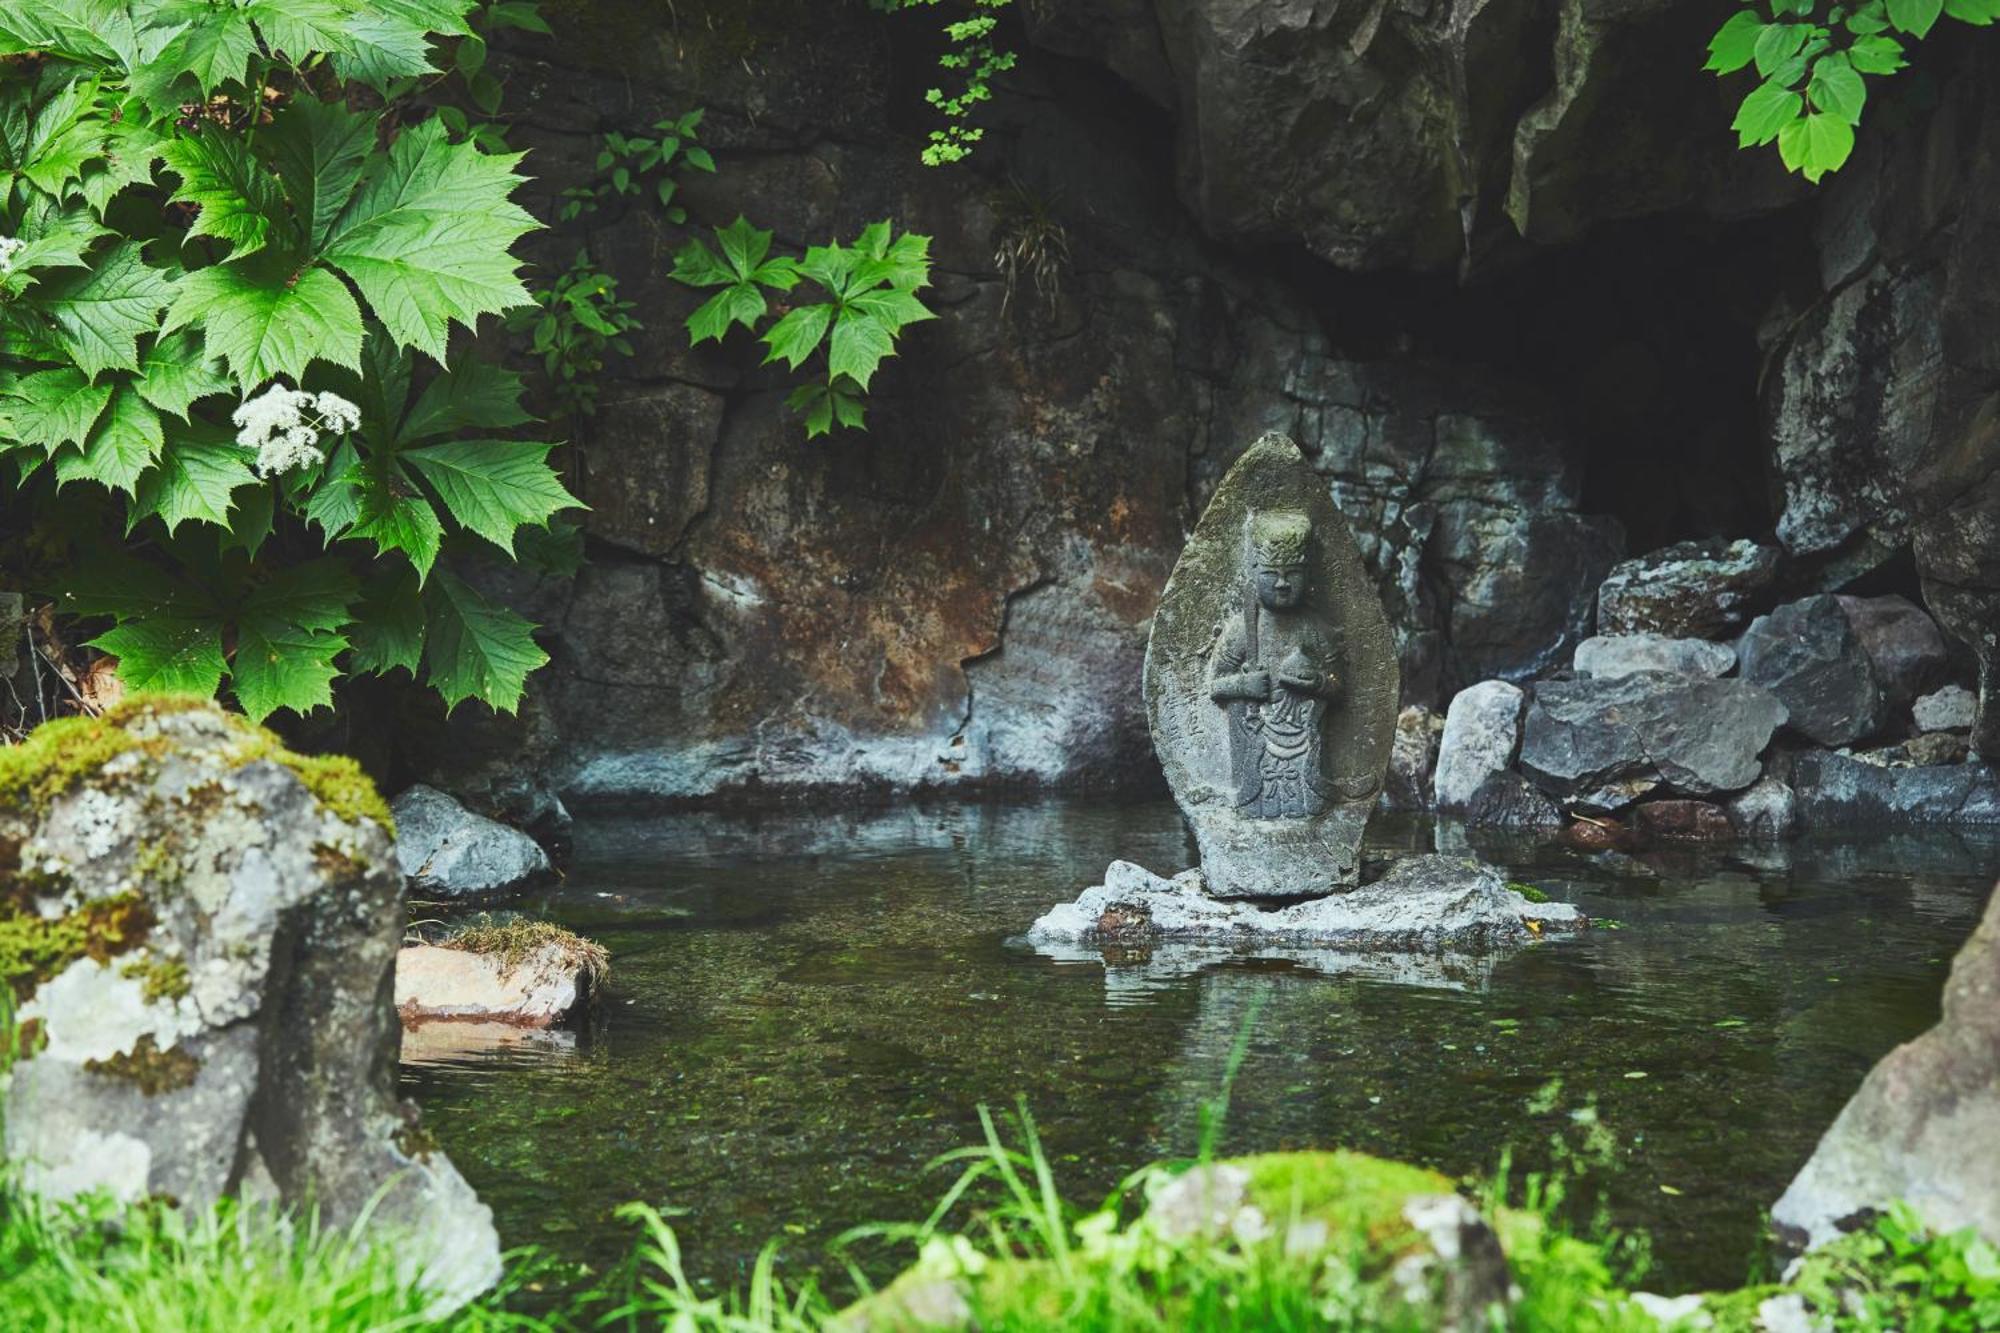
pixel 1276 743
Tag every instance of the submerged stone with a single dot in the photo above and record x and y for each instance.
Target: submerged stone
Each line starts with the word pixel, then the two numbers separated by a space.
pixel 1271 684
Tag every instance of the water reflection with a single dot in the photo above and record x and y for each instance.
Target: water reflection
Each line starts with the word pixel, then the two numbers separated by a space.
pixel 805 1010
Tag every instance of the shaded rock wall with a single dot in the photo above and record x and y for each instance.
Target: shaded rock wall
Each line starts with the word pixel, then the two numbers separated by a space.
pixel 959 598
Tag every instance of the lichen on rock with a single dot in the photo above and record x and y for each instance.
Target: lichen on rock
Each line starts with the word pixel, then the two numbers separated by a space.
pixel 198 929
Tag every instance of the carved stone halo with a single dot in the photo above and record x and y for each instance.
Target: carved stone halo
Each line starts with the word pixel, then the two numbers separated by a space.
pixel 1273 699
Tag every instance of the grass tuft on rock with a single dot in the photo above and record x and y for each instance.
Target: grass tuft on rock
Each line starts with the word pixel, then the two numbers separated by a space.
pixel 515 942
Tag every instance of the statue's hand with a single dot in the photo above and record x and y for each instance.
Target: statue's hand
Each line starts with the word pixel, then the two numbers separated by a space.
pixel 1306 683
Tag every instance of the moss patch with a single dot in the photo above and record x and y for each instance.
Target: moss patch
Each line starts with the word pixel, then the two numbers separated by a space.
pixel 56 757
pixel 514 942
pixel 34 948
pixel 153 1070
pixel 1528 891
pixel 158 978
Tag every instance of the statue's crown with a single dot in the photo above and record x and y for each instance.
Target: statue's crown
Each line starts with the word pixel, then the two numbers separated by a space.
pixel 1280 537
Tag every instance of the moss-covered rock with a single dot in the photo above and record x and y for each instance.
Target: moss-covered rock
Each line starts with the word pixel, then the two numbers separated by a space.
pixel 198 928
pixel 1272 1236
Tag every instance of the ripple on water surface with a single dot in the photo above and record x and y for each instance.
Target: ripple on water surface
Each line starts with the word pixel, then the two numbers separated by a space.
pixel 807 1009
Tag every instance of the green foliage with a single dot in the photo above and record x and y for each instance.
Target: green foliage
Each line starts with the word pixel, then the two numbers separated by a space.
pixel 870 292
pixel 228 227
pixel 1897 1274
pixel 643 164
pixel 974 58
pixel 577 321
pixel 1813 59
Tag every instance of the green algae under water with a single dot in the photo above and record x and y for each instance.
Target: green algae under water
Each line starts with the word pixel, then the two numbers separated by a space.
pixel 806 1009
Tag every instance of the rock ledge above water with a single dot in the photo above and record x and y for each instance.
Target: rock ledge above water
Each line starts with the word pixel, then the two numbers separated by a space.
pixel 1424 904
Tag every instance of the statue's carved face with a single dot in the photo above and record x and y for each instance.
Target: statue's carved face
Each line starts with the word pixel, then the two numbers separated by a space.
pixel 1281 587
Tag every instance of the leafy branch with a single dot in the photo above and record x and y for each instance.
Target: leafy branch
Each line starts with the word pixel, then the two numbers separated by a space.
pixel 870 289
pixel 221 260
pixel 1813 59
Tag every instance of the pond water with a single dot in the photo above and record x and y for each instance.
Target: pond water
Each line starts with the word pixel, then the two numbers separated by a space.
pixel 806 1009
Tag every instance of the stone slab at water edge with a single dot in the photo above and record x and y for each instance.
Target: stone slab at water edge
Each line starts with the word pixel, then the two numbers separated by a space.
pixel 198 930
pixel 1271 683
pixel 1424 904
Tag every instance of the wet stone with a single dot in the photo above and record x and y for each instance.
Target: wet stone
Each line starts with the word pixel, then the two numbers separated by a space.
pixel 1424 903
pixel 1482 729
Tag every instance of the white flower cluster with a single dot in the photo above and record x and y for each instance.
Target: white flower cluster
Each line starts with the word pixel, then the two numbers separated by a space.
pixel 284 425
pixel 9 247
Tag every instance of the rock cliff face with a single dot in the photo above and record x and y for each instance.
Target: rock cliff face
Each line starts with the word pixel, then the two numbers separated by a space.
pixel 959 597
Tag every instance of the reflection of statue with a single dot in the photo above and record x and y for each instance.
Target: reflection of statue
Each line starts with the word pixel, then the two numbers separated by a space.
pixel 1274 670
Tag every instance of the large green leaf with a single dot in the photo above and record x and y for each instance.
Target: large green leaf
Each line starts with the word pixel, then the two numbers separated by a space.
pixel 1735 44
pixel 166 653
pixel 493 486
pixel 318 149
pixel 52 407
pixel 470 394
pixel 427 237
pixel 238 198
pixel 388 629
pixel 193 483
pixel 1768 109
pixel 475 649
pixel 396 517
pixel 266 322
pixel 122 447
pixel 176 371
pixel 282 666
pixel 1816 144
pixel 315 595
pixel 1915 16
pixel 99 314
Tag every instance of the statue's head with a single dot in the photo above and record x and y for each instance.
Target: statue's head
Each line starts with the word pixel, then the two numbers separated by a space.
pixel 1280 541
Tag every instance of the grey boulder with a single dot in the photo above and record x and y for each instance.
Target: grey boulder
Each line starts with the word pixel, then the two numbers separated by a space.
pixel 1807 653
pixel 1923 1126
pixel 1903 643
pixel 1412 761
pixel 1610 655
pixel 1766 809
pixel 234 1032
pixel 1605 743
pixel 1693 590
pixel 448 851
pixel 1482 730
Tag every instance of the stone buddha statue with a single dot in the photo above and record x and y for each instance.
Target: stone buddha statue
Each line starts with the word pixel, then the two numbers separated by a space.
pixel 1275 669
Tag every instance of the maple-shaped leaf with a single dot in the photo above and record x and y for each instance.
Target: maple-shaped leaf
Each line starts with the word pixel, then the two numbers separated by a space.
pixel 237 196
pixel 426 238
pixel 493 487
pixel 267 322
pixel 120 449
pixel 100 313
pixel 475 649
pixel 52 408
pixel 197 474
pixel 166 653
